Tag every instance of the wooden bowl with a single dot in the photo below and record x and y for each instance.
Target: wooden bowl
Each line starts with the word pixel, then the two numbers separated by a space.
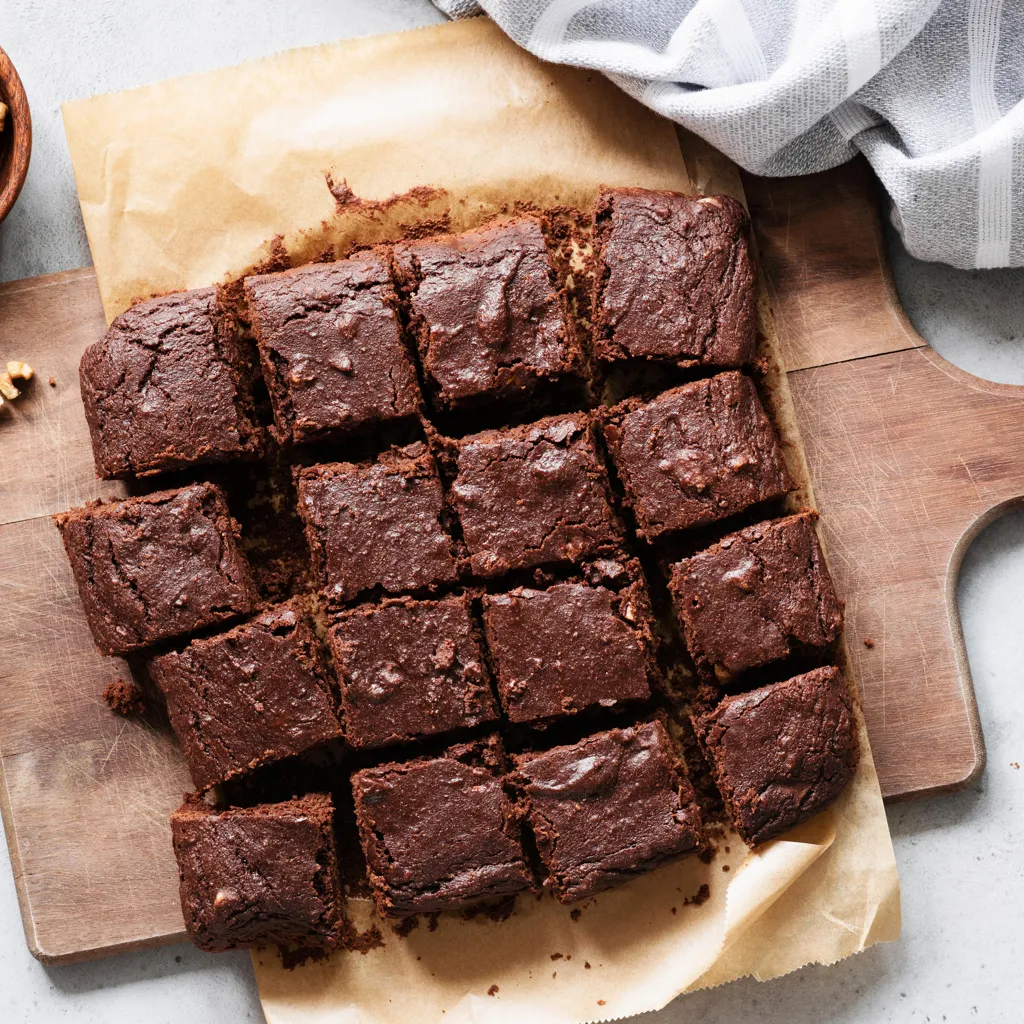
pixel 16 138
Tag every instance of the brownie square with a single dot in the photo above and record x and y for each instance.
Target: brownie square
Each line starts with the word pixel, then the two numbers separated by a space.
pixel 331 347
pixel 755 597
pixel 608 808
pixel 674 280
pixel 168 387
pixel 487 314
pixel 157 567
pixel 439 833
pixel 781 753
pixel 695 454
pixel 377 526
pixel 569 648
pixel 253 695
pixel 410 669
pixel 259 875
pixel 533 495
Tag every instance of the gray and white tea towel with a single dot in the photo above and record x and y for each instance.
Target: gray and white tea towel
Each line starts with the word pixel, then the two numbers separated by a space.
pixel 930 91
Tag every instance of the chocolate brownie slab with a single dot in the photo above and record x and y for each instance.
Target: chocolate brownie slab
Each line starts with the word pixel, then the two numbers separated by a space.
pixel 488 317
pixel 674 281
pixel 158 567
pixel 608 808
pixel 253 695
pixel 533 495
pixel 259 875
pixel 331 347
pixel 439 833
pixel 755 597
pixel 695 454
pixel 410 669
pixel 570 647
pixel 168 387
pixel 376 526
pixel 781 753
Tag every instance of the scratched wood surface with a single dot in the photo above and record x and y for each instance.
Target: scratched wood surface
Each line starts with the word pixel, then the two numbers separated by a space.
pixel 908 459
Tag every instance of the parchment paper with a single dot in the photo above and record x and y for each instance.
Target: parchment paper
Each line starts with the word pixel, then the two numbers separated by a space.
pixel 187 183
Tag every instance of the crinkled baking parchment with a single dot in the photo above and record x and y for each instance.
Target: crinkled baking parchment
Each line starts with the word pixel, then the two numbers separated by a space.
pixel 194 181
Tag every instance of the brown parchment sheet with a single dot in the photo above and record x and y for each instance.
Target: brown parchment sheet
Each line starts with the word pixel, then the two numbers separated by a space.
pixel 194 181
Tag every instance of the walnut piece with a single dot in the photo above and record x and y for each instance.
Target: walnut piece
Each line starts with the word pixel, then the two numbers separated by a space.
pixel 16 370
pixel 7 388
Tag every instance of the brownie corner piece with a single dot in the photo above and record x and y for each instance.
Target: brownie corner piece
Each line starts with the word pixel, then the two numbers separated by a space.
pixel 575 646
pixel 259 875
pixel 169 386
pixel 533 495
pixel 781 753
pixel 759 595
pixel 157 567
pixel 440 833
pixel 377 526
pixel 674 279
pixel 410 669
pixel 695 454
pixel 608 808
pixel 331 347
pixel 259 693
pixel 488 316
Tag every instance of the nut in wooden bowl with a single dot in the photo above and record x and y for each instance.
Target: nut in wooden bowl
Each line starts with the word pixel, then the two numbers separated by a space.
pixel 16 136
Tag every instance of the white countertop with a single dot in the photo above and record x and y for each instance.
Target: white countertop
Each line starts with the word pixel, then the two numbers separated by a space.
pixel 962 871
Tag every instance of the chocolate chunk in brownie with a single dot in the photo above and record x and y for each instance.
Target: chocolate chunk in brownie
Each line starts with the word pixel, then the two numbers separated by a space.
pixel 331 347
pixel 695 454
pixel 439 833
pixel 168 387
pixel 755 597
pixel 157 567
pixel 570 648
pixel 608 808
pixel 376 526
pixel 673 281
pixel 259 875
pixel 253 695
pixel 487 314
pixel 533 495
pixel 410 669
pixel 781 753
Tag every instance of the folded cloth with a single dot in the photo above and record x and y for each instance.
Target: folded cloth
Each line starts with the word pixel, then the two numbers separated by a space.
pixel 930 91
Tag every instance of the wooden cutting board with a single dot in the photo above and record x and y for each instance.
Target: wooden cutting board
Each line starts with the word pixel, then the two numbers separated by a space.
pixel 909 459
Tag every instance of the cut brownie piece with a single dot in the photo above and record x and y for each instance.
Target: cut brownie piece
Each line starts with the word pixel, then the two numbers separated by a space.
pixel 612 806
pixel 259 875
pixel 376 526
pixel 755 597
pixel 781 753
pixel 157 567
pixel 169 386
pixel 695 454
pixel 487 314
pixel 533 495
pixel 439 833
pixel 410 669
pixel 673 281
pixel 570 647
pixel 331 347
pixel 253 695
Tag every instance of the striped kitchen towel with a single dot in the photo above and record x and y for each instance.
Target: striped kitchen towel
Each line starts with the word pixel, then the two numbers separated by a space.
pixel 930 91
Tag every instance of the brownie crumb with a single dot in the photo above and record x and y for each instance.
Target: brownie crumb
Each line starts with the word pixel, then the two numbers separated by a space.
pixel 361 942
pixel 557 956
pixel 52 383
pixel 1015 765
pixel 406 925
pixel 576 914
pixel 673 909
pixel 124 698
pixel 493 990
pixel 600 1002
pixel 586 965
pixel 702 895
pixel 725 867
pixel 869 643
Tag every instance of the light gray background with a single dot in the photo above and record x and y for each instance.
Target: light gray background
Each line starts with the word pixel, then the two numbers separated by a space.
pixel 960 857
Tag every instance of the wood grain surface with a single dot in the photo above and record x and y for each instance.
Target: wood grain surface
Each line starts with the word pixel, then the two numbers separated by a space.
pixel 908 458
